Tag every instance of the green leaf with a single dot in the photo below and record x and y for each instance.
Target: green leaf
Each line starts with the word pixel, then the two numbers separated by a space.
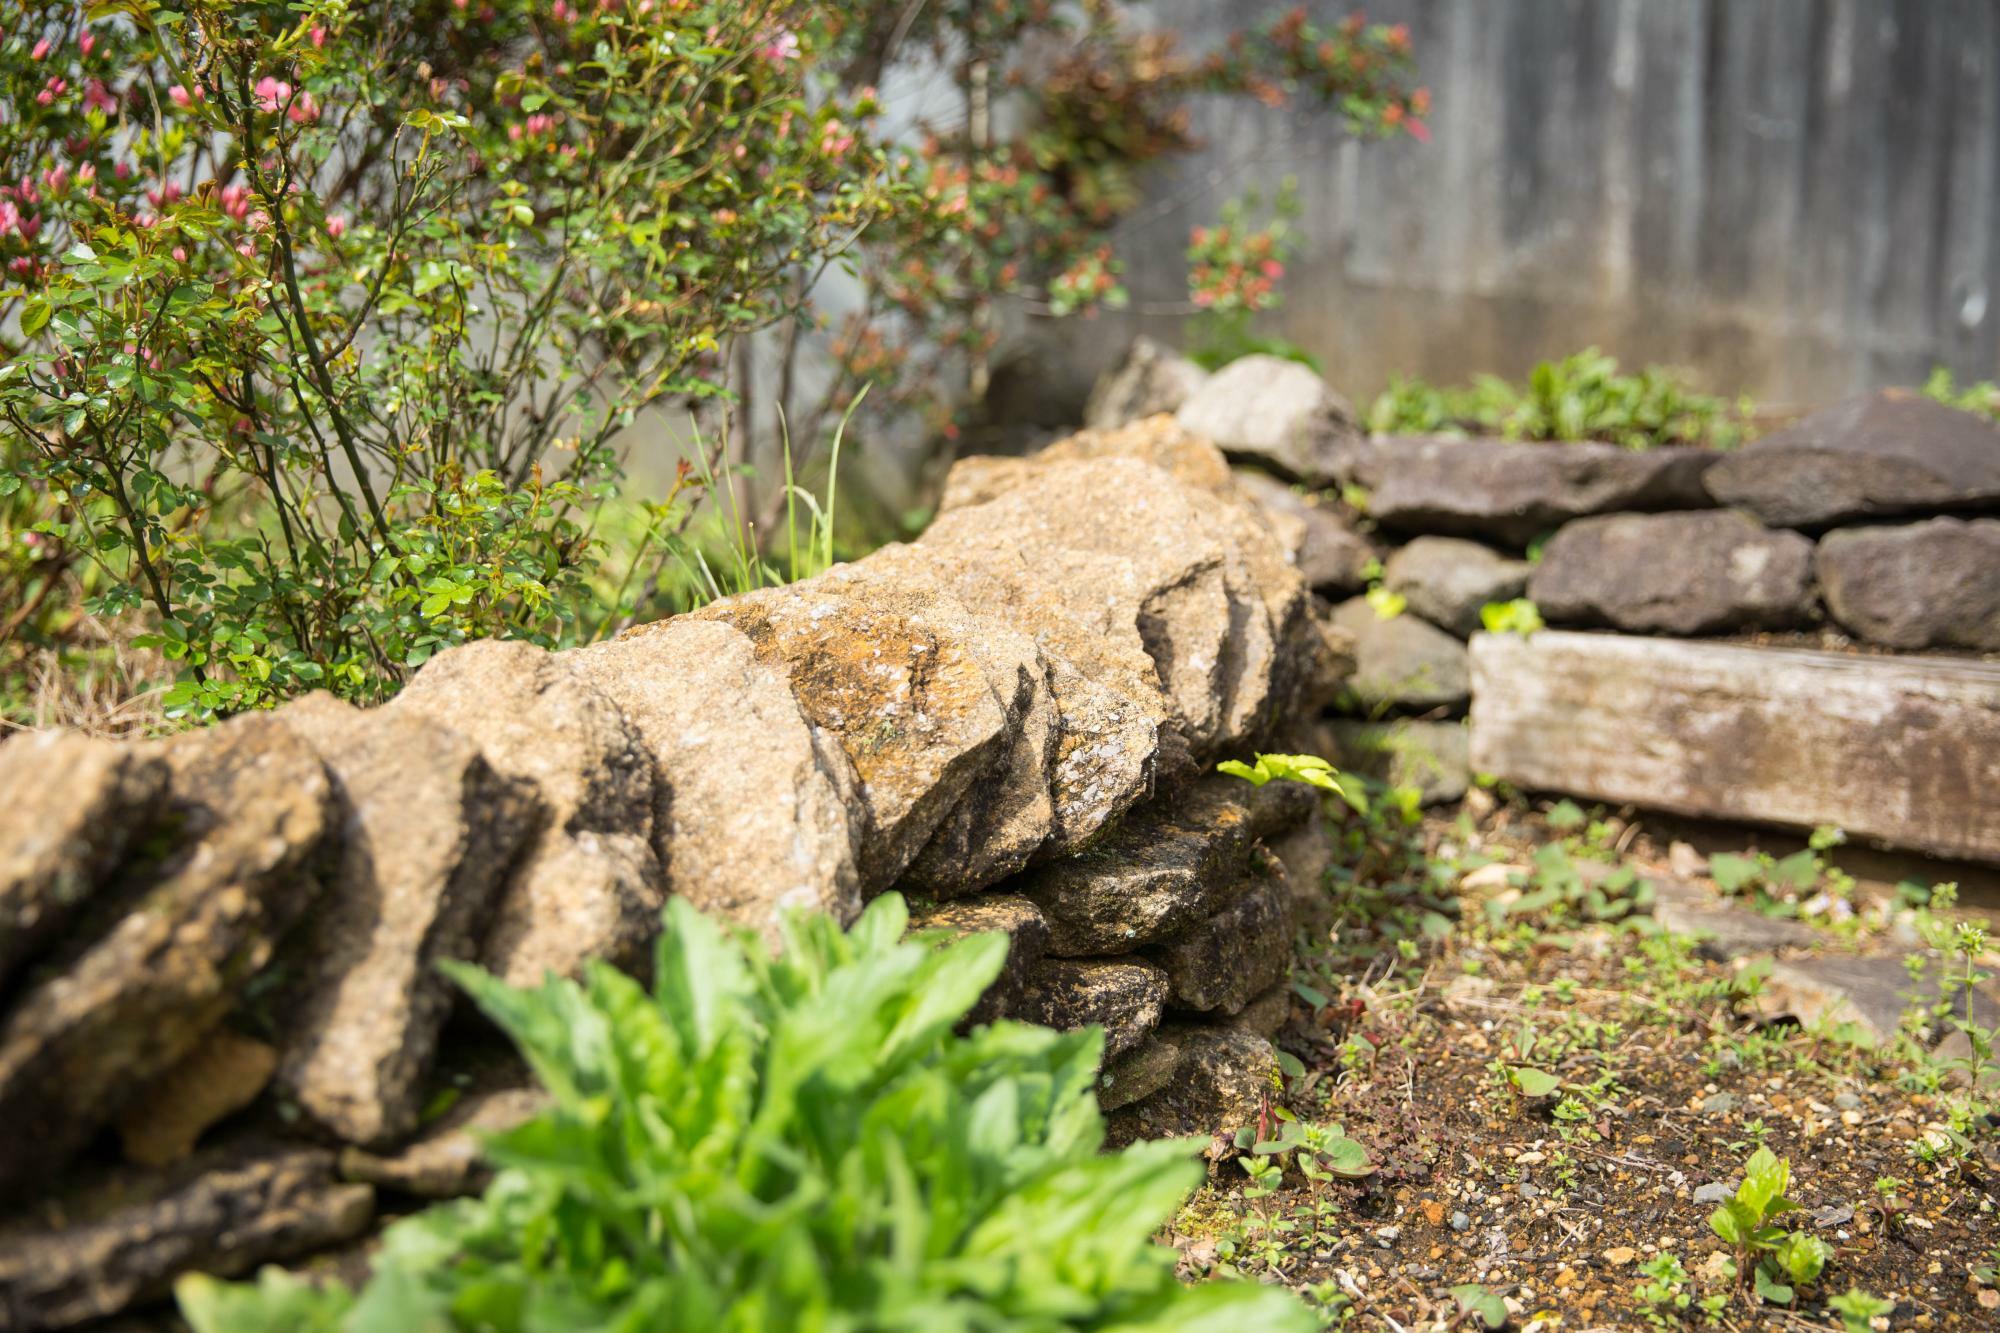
pixel 34 315
pixel 1345 1157
pixel 1777 1293
pixel 1733 873
pixel 1481 1303
pixel 1533 1083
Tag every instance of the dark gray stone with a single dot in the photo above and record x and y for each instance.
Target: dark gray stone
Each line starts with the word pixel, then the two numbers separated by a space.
pixel 1700 573
pixel 1890 452
pixel 1166 867
pixel 1871 992
pixel 1218 1085
pixel 1150 379
pixel 1226 961
pixel 1330 555
pixel 1928 585
pixel 1724 931
pixel 1448 580
pixel 1403 660
pixel 1142 1073
pixel 1513 492
pixel 1276 413
pixel 1123 996
pixel 1027 942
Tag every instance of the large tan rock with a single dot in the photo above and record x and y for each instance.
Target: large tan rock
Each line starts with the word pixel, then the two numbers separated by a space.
pixel 1277 413
pixel 123 1241
pixel 757 807
pixel 904 692
pixel 69 806
pixel 588 884
pixel 166 950
pixel 1150 379
pixel 427 833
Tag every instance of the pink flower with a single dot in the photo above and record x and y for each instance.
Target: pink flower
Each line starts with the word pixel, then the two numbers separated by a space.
pixel 10 216
pixel 87 174
pixel 235 201
pixel 783 46
pixel 560 12
pixel 258 221
pixel 318 36
pixel 88 43
pixel 97 97
pixel 1272 269
pixel 272 93
pixel 178 95
pixel 303 110
pixel 41 50
pixel 336 226
pixel 122 171
pixel 180 254
pixel 56 178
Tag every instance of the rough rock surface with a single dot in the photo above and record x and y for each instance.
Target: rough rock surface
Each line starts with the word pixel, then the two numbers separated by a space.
pixel 1265 1014
pixel 1433 757
pixel 1330 555
pixel 587 884
pixel 427 833
pixel 1700 573
pixel 903 691
pixel 1140 1073
pixel 1723 930
pixel 1150 379
pixel 1224 962
pixel 1884 453
pixel 1217 1084
pixel 1304 854
pixel 1448 580
pixel 756 808
pixel 1168 866
pixel 1122 995
pixel 1927 585
pixel 447 1160
pixel 235 1212
pixel 1869 992
pixel 1276 412
pixel 1512 492
pixel 1403 660
pixel 1027 942
pixel 223 1074
pixel 181 935
pixel 1129 552
pixel 69 805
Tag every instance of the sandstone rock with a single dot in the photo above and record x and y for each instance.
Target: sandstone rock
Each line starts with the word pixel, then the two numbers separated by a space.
pixel 1218 1085
pixel 1685 574
pixel 1122 995
pixel 1403 660
pixel 427 833
pixel 1928 585
pixel 1113 729
pixel 1433 757
pixel 219 1077
pixel 69 805
pixel 1167 867
pixel 1128 551
pixel 905 695
pixel 1140 1073
pixel 1512 492
pixel 1330 555
pixel 1266 1014
pixel 181 935
pixel 1448 581
pixel 1027 942
pixel 1150 379
pixel 1188 459
pixel 1241 951
pixel 588 884
pixel 232 1213
pixel 1276 412
pixel 1884 453
pixel 448 1160
pixel 1006 815
pixel 756 809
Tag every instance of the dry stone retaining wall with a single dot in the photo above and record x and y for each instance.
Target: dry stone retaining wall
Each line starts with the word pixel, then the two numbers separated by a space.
pixel 220 1012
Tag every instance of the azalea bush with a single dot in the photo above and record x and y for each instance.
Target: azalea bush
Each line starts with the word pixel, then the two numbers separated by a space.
pixel 327 316
pixel 791 1142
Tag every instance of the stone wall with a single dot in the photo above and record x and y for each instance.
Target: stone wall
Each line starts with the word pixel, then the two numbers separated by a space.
pixel 1870 527
pixel 221 1022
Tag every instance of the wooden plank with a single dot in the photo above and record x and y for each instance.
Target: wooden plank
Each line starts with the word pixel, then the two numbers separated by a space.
pixel 1904 750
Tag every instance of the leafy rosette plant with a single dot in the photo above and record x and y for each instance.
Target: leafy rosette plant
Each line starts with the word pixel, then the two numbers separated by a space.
pixel 797 1142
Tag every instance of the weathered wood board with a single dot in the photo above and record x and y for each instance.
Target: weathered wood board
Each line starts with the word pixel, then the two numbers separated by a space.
pixel 1905 750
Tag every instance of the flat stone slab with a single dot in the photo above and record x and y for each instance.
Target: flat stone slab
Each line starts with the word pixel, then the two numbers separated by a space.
pixel 1512 492
pixel 1027 942
pixel 1871 992
pixel 1226 961
pixel 1694 573
pixel 1217 1085
pixel 1330 555
pixel 1905 750
pixel 1921 585
pixel 1448 580
pixel 1890 452
pixel 1722 930
pixel 1124 996
pixel 1402 660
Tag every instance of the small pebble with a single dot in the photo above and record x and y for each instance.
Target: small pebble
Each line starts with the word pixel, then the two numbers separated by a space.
pixel 1460 1222
pixel 1714 1193
pixel 1847 1101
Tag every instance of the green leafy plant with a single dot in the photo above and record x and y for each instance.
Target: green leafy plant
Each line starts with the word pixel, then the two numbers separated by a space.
pixel 1308 769
pixel 1775 1260
pixel 1983 397
pixel 789 1141
pixel 1858 1310
pixel 1481 1303
pixel 1518 616
pixel 1664 1297
pixel 1581 397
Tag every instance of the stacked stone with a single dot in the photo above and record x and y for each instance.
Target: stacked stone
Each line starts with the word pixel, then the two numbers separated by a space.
pixel 224 946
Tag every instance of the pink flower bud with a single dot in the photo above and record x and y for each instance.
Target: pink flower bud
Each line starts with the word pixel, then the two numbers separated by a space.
pixel 318 36
pixel 88 43
pixel 336 226
pixel 41 50
pixel 178 95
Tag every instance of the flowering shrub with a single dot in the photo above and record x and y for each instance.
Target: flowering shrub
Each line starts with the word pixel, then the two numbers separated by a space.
pixel 329 313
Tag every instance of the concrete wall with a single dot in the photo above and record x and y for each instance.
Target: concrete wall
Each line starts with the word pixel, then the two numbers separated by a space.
pixel 1794 198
